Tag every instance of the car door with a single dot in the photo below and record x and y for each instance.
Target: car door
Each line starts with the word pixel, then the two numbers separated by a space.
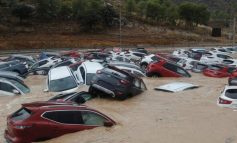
pixel 6 89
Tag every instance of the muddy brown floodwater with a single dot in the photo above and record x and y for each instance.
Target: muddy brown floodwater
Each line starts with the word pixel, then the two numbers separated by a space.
pixel 190 116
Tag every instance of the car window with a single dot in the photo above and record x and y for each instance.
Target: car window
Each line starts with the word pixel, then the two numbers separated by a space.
pixel 21 114
pixel 89 77
pixel 176 69
pixel 83 73
pixel 154 58
pixel 62 84
pixel 6 87
pixel 91 118
pixel 43 62
pixel 21 86
pixel 231 93
pixel 64 64
pixel 65 117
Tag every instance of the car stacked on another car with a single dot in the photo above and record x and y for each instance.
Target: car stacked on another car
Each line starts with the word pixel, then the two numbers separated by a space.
pixel 116 83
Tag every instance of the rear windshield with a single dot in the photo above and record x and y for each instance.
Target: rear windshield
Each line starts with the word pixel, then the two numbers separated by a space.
pixel 231 93
pixel 115 73
pixel 21 114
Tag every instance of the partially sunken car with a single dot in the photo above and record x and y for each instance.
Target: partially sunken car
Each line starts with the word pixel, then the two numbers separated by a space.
pixel 163 68
pixel 12 87
pixel 116 83
pixel 61 80
pixel 228 97
pixel 38 122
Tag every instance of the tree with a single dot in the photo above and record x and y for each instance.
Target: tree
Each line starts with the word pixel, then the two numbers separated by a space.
pixel 130 6
pixel 23 11
pixel 48 9
pixel 194 13
pixel 66 11
pixel 155 10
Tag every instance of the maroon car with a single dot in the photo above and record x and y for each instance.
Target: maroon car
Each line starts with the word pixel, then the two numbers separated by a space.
pixel 41 121
pixel 164 68
pixel 218 71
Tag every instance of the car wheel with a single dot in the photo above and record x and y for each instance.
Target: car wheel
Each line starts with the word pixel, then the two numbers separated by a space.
pixel 155 75
pixel 92 91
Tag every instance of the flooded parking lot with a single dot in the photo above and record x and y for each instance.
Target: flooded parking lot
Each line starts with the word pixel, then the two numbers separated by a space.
pixel 153 116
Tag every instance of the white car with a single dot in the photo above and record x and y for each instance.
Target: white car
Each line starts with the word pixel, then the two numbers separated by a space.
pixel 214 58
pixel 230 62
pixel 49 62
pixel 61 80
pixel 228 97
pixel 120 58
pixel 133 55
pixel 147 60
pixel 220 50
pixel 180 53
pixel 12 87
pixel 231 49
pixel 86 71
pixel 187 63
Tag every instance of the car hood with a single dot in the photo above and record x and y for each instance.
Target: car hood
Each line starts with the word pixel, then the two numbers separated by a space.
pixel 176 87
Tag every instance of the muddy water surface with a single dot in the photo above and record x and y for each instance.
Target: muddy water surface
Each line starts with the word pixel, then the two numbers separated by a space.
pixel 190 116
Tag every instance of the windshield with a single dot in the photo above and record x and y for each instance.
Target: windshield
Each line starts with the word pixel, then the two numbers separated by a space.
pixel 62 84
pixel 21 86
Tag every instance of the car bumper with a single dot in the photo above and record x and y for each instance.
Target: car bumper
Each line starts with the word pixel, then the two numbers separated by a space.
pixel 10 139
pixel 105 90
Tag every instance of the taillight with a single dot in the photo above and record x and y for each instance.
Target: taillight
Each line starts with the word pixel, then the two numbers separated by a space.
pixel 98 72
pixel 124 82
pixel 22 127
pixel 223 101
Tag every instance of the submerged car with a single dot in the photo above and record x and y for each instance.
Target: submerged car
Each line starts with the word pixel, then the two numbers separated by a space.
pixel 228 97
pixel 61 80
pixel 13 66
pixel 79 98
pixel 116 83
pixel 218 71
pixel 12 87
pixel 164 68
pixel 38 122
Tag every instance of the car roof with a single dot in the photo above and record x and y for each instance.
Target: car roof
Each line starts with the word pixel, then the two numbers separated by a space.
pixel 92 67
pixel 59 72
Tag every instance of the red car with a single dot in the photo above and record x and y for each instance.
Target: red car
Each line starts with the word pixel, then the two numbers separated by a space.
pixel 218 71
pixel 73 54
pixel 164 68
pixel 39 122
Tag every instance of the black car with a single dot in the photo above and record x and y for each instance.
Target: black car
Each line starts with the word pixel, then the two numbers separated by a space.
pixel 116 83
pixel 13 66
pixel 78 98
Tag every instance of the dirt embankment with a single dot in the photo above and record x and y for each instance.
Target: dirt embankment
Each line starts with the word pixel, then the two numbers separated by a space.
pixel 67 35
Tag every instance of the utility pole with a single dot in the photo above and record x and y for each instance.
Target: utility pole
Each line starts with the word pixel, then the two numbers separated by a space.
pixel 120 24
pixel 234 25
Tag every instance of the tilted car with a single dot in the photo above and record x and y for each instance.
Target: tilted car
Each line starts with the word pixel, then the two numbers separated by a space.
pixel 61 80
pixel 86 71
pixel 116 83
pixel 28 60
pixel 48 62
pixel 228 97
pixel 13 66
pixel 38 122
pixel 164 68
pixel 198 67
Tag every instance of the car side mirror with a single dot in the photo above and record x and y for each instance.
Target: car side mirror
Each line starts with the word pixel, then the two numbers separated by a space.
pixel 15 91
pixel 46 90
pixel 108 124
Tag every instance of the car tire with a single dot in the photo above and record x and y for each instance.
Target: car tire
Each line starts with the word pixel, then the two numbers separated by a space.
pixel 92 91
